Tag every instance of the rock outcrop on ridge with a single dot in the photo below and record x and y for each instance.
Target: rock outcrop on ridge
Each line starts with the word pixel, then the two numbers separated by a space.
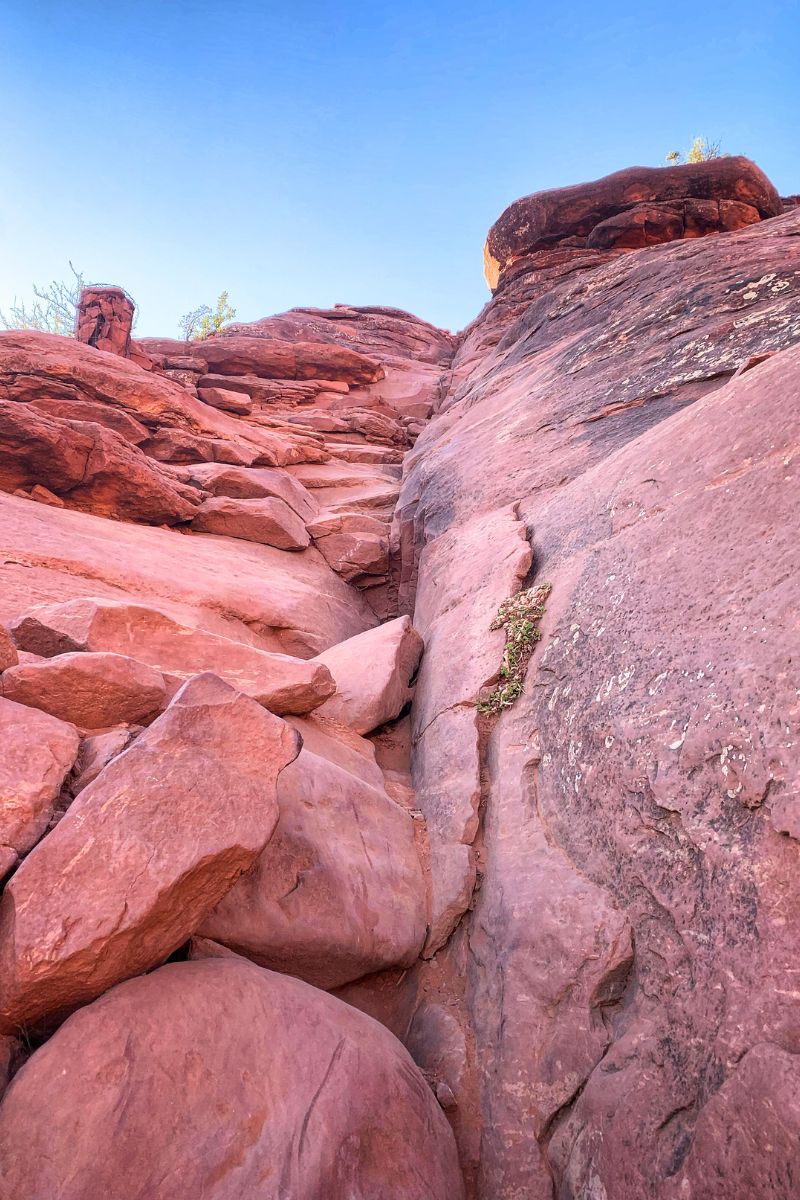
pixel 399 784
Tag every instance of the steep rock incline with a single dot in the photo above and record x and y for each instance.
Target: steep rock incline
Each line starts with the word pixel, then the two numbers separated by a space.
pixel 630 959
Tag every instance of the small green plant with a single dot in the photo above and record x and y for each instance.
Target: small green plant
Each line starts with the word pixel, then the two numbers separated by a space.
pixel 199 324
pixel 519 616
pixel 701 150
pixel 53 308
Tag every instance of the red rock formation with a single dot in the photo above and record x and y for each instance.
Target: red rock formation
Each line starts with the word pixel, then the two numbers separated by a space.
pixel 635 911
pixel 567 880
pixel 104 319
pixel 632 208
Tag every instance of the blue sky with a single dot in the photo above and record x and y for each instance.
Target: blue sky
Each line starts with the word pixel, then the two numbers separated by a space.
pixel 309 153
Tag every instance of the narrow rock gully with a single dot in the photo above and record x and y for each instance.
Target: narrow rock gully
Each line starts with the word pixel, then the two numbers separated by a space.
pixel 398 793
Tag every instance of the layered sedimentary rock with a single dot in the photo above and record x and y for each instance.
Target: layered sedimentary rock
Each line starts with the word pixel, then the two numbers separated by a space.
pixel 556 855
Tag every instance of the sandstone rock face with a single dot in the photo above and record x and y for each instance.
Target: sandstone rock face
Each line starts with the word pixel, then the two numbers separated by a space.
pixel 299 1095
pixel 89 690
pixel 143 853
pixel 104 319
pixel 37 753
pixel 338 892
pixel 372 672
pixel 631 945
pixel 632 208
pixel 279 682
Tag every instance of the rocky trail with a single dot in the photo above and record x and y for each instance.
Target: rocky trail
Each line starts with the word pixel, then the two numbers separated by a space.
pixel 398 768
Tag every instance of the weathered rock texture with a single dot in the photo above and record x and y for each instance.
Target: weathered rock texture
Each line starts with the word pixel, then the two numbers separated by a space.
pixel 632 949
pixel 557 856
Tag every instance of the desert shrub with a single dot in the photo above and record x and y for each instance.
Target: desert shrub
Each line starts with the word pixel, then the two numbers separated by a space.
pixel 701 150
pixel 203 321
pixel 52 309
pixel 519 616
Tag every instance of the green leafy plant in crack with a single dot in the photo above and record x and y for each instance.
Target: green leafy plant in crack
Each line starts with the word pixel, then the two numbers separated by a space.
pixel 519 616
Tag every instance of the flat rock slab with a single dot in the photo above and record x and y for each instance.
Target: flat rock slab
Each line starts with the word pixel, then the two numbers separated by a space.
pixel 36 752
pixel 92 691
pixel 280 682
pixel 268 520
pixel 234 1082
pixel 338 891
pixel 143 853
pixel 372 672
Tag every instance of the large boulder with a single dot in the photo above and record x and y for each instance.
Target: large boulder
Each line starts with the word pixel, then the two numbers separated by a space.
pixel 683 201
pixel 143 853
pixel 36 752
pixel 279 682
pixel 338 891
pixel 372 672
pixel 251 483
pixel 267 520
pixel 92 691
pixel 222 1080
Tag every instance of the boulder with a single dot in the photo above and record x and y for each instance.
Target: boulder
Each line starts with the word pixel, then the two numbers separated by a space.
pixel 372 672
pixel 279 682
pixel 233 402
pixel 353 544
pixel 569 215
pixel 142 854
pixel 222 1080
pixel 338 892
pixel 96 412
pixel 89 690
pixel 268 521
pixel 36 753
pixel 104 319
pixel 251 483
pixel 291 603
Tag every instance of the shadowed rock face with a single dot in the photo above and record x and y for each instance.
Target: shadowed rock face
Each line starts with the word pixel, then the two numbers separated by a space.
pixel 633 208
pixel 576 904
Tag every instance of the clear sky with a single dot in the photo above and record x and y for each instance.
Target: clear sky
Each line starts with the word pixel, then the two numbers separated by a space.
pixel 308 153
